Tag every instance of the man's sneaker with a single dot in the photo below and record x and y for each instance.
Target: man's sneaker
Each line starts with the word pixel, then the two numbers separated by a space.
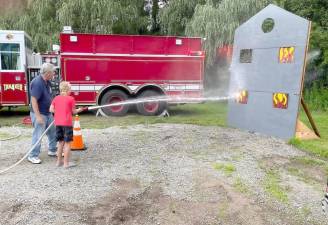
pixel 34 160
pixel 50 153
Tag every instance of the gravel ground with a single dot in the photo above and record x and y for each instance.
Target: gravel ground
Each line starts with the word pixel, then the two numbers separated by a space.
pixel 161 174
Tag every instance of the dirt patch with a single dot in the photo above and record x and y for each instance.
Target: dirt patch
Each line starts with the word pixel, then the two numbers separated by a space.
pixel 273 162
pixel 233 207
pixel 217 203
pixel 309 170
pixel 132 204
pixel 10 212
pixel 314 173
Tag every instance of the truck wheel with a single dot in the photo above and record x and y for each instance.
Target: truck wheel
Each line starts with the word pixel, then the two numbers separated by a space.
pixel 150 108
pixel 114 96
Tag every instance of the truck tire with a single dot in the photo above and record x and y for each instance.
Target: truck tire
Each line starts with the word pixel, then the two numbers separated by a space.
pixel 113 96
pixel 151 108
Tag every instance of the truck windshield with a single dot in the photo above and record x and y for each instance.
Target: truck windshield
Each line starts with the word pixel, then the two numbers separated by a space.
pixel 10 56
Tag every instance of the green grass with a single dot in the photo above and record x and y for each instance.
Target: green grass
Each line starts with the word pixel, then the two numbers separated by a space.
pixel 317 147
pixel 13 116
pixel 317 97
pixel 298 164
pixel 303 176
pixel 272 186
pixel 305 211
pixel 227 168
pixel 207 114
pixel 309 161
pixel 240 186
pixel 4 135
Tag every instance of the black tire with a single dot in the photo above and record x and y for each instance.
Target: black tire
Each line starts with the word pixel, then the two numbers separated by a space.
pixel 151 108
pixel 113 96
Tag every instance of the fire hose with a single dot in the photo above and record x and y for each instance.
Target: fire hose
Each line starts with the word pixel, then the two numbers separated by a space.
pixel 25 156
pixel 42 135
pixel 30 150
pixel 89 108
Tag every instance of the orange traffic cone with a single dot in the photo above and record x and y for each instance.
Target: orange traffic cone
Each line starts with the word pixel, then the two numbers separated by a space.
pixel 77 143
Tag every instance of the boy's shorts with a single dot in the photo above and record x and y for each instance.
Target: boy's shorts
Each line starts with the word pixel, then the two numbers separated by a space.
pixel 64 133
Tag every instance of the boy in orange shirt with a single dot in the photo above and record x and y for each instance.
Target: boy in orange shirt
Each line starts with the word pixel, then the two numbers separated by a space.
pixel 63 106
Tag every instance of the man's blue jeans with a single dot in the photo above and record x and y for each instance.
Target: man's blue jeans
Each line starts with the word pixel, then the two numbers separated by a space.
pixel 39 130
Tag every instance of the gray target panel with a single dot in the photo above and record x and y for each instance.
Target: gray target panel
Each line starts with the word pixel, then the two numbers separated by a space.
pixel 267 72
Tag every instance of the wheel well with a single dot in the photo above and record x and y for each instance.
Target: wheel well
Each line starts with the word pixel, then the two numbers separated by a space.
pixel 150 87
pixel 111 88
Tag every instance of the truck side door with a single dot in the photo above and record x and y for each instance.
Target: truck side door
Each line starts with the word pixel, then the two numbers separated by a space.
pixel 12 75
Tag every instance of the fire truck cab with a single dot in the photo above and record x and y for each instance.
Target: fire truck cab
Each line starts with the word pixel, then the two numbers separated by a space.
pixel 18 66
pixel 15 48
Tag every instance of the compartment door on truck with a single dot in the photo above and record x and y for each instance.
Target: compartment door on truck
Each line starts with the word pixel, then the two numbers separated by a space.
pixel 81 73
pixel 12 75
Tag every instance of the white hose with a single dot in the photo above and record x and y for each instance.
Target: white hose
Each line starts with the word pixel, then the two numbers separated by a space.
pixel 14 165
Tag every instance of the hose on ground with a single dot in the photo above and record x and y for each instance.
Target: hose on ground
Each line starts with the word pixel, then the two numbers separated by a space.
pixel 25 156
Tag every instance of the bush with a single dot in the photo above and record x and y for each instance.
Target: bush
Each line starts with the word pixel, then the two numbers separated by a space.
pixel 316 97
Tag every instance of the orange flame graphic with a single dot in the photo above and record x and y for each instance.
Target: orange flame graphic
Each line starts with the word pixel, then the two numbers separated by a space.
pixel 242 97
pixel 280 100
pixel 286 54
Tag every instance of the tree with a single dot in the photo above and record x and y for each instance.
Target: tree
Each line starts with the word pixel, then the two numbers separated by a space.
pixel 41 23
pixel 104 16
pixel 317 12
pixel 44 19
pixel 174 17
pixel 154 14
pixel 217 22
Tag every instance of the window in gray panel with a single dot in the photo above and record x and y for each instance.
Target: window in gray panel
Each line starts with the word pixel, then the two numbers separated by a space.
pixel 246 55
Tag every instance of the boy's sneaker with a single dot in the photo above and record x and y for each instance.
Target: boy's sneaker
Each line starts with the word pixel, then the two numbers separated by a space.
pixel 50 153
pixel 34 160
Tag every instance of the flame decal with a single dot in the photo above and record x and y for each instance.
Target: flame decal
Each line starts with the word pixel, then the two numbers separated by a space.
pixel 280 100
pixel 242 97
pixel 286 55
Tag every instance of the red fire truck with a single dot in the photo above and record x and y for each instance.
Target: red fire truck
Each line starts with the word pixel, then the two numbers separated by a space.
pixel 104 69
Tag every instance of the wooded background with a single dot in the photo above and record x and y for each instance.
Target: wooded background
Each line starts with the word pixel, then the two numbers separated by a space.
pixel 214 20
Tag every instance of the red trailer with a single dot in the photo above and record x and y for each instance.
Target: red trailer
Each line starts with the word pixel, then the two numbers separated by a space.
pixel 108 68
pixel 104 69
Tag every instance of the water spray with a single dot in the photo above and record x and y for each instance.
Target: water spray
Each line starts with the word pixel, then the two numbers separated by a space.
pixel 161 99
